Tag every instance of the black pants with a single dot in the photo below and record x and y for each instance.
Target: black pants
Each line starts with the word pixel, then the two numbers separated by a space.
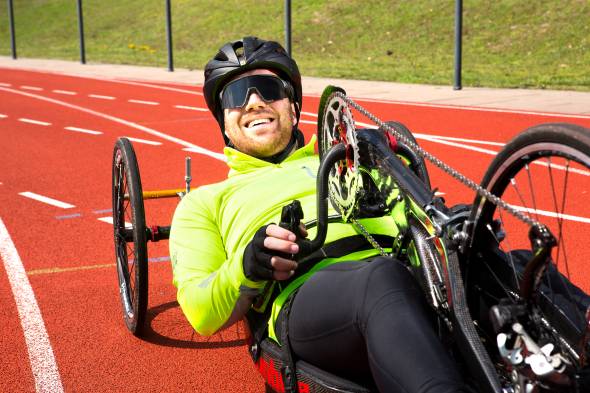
pixel 368 321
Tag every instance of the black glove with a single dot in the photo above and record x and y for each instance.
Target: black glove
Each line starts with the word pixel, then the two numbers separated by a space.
pixel 256 259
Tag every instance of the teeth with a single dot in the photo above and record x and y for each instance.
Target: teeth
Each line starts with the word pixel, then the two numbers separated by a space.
pixel 258 121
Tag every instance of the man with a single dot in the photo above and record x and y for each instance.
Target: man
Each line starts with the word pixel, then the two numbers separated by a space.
pixel 360 315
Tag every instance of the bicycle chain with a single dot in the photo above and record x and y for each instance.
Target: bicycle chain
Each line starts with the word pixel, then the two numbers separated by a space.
pixel 369 237
pixel 437 162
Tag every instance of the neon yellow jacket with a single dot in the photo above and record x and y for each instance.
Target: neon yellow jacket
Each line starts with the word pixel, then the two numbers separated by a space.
pixel 213 224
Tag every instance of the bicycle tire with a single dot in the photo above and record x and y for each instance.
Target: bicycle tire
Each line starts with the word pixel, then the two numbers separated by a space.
pixel 130 236
pixel 416 162
pixel 541 158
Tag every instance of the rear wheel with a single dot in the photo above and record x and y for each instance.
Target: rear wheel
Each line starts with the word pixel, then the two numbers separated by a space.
pixel 130 236
pixel 544 173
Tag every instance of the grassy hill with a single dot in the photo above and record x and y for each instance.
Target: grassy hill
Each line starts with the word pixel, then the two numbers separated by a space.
pixel 506 43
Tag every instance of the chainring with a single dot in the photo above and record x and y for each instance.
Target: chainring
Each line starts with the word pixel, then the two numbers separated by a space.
pixel 337 126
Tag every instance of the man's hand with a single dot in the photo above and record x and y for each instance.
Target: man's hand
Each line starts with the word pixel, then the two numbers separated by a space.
pixel 269 256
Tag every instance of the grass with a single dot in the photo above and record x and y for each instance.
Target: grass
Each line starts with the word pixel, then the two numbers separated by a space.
pixel 506 43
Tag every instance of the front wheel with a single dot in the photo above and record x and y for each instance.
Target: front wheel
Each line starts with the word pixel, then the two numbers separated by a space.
pixel 544 173
pixel 130 236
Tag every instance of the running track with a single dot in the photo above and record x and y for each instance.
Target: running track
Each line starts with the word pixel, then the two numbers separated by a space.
pixel 61 324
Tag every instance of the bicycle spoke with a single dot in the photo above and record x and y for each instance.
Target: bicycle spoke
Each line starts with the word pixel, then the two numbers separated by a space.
pixel 510 257
pixel 531 189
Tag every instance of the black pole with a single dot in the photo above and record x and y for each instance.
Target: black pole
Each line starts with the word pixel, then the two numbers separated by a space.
pixel 458 39
pixel 12 36
pixel 288 26
pixel 169 35
pixel 81 32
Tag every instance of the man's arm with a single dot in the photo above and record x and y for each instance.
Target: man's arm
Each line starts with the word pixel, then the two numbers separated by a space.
pixel 213 290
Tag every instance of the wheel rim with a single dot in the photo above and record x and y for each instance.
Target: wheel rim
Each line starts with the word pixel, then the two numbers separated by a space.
pixel 545 181
pixel 124 248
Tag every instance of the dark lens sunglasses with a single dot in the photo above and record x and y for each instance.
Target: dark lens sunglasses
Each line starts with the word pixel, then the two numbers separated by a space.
pixel 268 87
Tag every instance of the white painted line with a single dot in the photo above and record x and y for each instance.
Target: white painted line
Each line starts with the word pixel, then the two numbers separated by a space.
pixel 101 97
pixel 3 116
pixel 35 88
pixel 308 122
pixel 66 92
pixel 138 140
pixel 109 220
pixel 546 213
pixel 198 93
pixel 143 102
pixel 192 108
pixel 37 122
pixel 194 148
pixel 5 84
pixel 83 130
pixel 41 357
pixel 44 199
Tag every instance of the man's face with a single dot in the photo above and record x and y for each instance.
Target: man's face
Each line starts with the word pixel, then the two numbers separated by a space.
pixel 259 128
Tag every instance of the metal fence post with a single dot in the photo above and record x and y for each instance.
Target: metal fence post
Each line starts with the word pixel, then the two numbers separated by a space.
pixel 288 26
pixel 81 32
pixel 11 21
pixel 169 35
pixel 458 42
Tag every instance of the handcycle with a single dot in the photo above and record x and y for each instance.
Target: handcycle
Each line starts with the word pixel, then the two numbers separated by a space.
pixel 509 303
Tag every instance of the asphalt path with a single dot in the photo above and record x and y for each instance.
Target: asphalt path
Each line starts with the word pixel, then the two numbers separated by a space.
pixel 62 328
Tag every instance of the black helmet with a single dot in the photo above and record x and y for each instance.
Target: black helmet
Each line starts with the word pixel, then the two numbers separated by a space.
pixel 243 55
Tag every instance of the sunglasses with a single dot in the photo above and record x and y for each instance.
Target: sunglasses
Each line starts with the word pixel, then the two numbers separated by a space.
pixel 268 87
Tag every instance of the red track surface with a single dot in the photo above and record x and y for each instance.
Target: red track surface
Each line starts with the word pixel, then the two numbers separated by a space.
pixel 68 253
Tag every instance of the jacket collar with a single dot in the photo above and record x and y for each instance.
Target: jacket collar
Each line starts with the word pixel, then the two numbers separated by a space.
pixel 239 162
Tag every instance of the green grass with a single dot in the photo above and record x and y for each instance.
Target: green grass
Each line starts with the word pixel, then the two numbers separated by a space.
pixel 506 43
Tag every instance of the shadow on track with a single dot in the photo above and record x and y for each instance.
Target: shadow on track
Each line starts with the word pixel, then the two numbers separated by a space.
pixel 166 326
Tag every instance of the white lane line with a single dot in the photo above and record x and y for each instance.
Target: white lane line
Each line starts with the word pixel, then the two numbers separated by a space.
pixel 143 102
pixel 546 213
pixel 83 130
pixel 194 148
pixel 100 97
pixel 308 122
pixel 5 84
pixel 41 357
pixel 198 93
pixel 3 116
pixel 109 220
pixel 35 88
pixel 44 199
pixel 31 121
pixel 192 108
pixel 138 140
pixel 65 92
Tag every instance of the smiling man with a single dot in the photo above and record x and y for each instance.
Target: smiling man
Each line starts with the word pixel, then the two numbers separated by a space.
pixel 361 316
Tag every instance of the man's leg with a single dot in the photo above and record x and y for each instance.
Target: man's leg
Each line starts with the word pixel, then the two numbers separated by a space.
pixel 363 319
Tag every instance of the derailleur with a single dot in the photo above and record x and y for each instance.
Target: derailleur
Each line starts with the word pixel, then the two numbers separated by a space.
pixel 532 366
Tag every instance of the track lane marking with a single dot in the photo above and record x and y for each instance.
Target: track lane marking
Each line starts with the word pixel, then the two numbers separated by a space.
pixel 192 108
pixel 3 116
pixel 35 88
pixel 47 200
pixel 142 102
pixel 147 142
pixel 109 220
pixel 198 93
pixel 36 122
pixel 83 130
pixel 65 92
pixel 194 148
pixel 101 97
pixel 41 357
pixel 68 269
pixel 5 84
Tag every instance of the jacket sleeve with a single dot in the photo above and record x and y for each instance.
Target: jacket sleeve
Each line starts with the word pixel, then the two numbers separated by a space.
pixel 208 281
